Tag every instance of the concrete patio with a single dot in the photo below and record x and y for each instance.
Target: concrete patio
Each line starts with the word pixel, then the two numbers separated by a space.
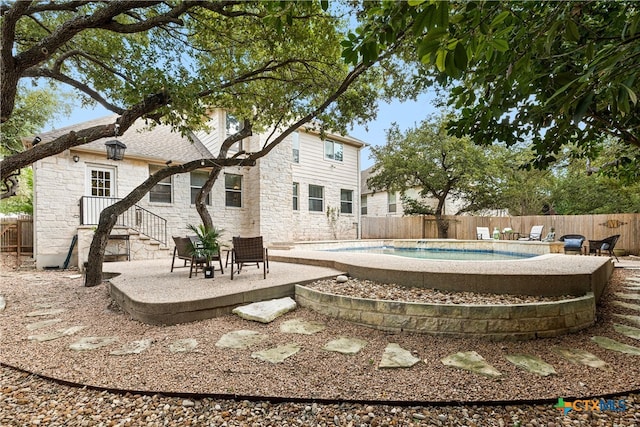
pixel 150 293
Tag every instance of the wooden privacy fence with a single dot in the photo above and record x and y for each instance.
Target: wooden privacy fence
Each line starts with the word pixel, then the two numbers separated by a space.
pixel 593 227
pixel 16 235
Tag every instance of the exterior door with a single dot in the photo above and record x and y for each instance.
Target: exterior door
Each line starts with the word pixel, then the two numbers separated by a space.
pixel 100 192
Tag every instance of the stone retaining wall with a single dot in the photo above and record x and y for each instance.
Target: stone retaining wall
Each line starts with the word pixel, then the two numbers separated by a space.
pixel 496 322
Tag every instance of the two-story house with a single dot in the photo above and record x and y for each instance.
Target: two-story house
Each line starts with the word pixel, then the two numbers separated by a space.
pixel 307 188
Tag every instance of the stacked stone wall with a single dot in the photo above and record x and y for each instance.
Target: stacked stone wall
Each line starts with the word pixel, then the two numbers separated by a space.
pixel 496 322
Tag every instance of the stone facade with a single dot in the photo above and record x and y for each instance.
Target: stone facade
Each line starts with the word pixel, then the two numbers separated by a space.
pixel 266 195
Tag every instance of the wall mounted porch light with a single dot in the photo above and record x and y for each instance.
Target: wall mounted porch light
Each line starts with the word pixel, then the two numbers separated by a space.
pixel 115 149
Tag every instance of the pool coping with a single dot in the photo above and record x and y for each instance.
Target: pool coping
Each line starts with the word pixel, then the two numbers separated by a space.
pixel 549 274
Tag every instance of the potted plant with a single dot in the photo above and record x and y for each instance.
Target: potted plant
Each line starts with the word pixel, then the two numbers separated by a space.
pixel 208 245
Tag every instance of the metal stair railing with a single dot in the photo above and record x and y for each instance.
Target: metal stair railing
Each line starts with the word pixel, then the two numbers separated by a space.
pixel 136 217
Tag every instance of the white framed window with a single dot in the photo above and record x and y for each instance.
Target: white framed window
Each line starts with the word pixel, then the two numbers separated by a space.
pixel 295 144
pixel 233 126
pixel 333 150
pixel 392 202
pixel 162 192
pixel 296 196
pixel 198 179
pixel 316 198
pixel 102 181
pixel 346 201
pixel 233 190
pixel 363 205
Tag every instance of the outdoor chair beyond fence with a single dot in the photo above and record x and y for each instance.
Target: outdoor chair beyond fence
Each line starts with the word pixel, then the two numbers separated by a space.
pixel 483 233
pixel 184 250
pixel 535 234
pixel 572 242
pixel 249 250
pixel 608 244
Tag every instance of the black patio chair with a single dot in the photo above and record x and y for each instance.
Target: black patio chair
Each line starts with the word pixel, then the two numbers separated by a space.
pixel 573 242
pixel 249 250
pixel 607 244
pixel 184 251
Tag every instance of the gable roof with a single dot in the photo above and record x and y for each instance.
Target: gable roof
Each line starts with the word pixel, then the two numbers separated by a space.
pixel 159 143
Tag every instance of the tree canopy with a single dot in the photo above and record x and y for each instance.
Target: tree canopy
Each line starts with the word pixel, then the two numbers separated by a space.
pixel 553 73
pixel 439 166
pixel 272 63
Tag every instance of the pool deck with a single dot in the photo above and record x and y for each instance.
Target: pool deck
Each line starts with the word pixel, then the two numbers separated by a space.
pixel 151 294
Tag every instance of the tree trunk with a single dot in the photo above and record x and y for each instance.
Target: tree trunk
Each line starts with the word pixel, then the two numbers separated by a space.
pixel 108 218
pixel 443 227
pixel 201 206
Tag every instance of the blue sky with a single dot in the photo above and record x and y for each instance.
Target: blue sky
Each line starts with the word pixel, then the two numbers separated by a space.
pixel 406 114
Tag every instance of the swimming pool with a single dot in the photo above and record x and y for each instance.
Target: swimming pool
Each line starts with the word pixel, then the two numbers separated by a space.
pixel 444 254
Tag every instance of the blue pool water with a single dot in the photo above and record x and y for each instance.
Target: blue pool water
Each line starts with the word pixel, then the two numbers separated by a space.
pixel 448 254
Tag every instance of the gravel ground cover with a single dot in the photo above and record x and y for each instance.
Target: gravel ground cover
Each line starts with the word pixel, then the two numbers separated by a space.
pixel 311 374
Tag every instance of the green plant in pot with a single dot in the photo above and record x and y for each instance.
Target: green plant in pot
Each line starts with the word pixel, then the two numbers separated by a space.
pixel 207 246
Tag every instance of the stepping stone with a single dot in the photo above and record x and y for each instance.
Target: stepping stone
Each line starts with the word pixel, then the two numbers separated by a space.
pixel 634 319
pixel 627 305
pixel 395 356
pixel 266 311
pixel 74 276
pixel 471 361
pixel 581 357
pixel 627 296
pixel 532 364
pixel 277 354
pixel 297 326
pixel 629 331
pixel 55 335
pixel 614 345
pixel 3 303
pixel 46 312
pixel 42 324
pixel 184 345
pixel 345 345
pixel 92 343
pixel 241 339
pixel 133 347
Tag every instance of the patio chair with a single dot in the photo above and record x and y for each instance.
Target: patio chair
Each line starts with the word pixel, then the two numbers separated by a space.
pixel 607 244
pixel 535 234
pixel 483 233
pixel 249 250
pixel 572 243
pixel 184 251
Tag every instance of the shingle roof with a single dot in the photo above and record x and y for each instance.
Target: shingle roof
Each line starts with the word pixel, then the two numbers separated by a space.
pixel 159 143
pixel 364 175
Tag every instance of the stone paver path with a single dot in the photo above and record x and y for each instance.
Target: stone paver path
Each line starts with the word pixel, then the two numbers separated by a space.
pixel 471 361
pixel 56 335
pixel 184 345
pixel 345 345
pixel 92 343
pixel 582 357
pixel 394 356
pixel 133 347
pixel 241 339
pixel 532 364
pixel 277 354
pixel 629 331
